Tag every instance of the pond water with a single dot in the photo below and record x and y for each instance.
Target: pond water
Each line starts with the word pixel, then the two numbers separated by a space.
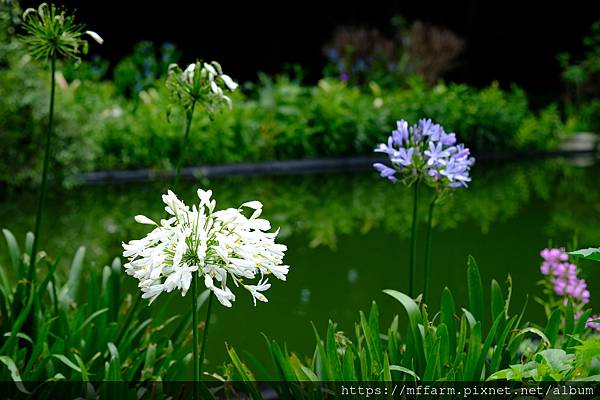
pixel 348 237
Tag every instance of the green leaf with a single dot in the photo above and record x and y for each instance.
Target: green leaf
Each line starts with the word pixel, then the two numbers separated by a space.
pixel 588 254
pixel 71 287
pixel 373 345
pixel 90 319
pixel 387 375
pixel 332 354
pixel 16 327
pixel 84 372
pixel 348 365
pixel 475 290
pixel 537 332
pixel 553 326
pixel 414 317
pixel 326 366
pixel 473 353
pixel 20 335
pixel 244 373
pixel 500 348
pixel 442 334
pixel 433 361
pixel 447 315
pixel 470 318
pixel 14 373
pixel 404 370
pixel 67 362
pixel 498 304
pixel 14 252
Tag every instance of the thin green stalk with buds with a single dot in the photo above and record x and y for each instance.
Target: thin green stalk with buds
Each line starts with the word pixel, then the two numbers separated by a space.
pixel 202 84
pixel 51 33
pixel 43 186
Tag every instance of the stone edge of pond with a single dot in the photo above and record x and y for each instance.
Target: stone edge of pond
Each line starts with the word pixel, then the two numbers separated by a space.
pixel 293 167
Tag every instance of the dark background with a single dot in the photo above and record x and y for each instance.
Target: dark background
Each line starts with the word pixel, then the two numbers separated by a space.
pixel 507 41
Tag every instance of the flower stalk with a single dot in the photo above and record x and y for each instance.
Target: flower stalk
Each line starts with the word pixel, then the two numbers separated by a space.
pixel 424 153
pixel 413 241
pixel 204 336
pixel 183 146
pixel 196 370
pixel 42 193
pixel 428 234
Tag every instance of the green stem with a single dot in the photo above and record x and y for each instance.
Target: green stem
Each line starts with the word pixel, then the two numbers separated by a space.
pixel 129 319
pixel 42 193
pixel 195 335
pixel 413 240
pixel 427 269
pixel 205 333
pixel 183 145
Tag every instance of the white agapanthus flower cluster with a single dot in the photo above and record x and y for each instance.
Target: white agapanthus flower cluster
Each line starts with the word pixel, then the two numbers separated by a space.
pixel 221 246
pixel 200 83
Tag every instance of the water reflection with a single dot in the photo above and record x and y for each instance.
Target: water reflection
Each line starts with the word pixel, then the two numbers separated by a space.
pixel 320 207
pixel 347 236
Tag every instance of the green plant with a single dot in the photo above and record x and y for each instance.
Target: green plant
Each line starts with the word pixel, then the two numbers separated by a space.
pixel 558 365
pixel 466 344
pixel 143 68
pixel 82 334
pixel 274 119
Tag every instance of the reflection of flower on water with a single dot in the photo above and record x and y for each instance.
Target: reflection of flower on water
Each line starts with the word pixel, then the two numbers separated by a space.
pixel 304 295
pixel 352 275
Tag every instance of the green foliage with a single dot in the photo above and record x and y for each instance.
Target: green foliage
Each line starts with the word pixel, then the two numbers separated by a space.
pixel 143 69
pixel 582 78
pixel 274 119
pixel 453 345
pixel 96 335
pixel 558 365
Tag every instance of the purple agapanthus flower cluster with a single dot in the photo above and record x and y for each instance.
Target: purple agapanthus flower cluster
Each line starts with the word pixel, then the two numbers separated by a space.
pixel 565 281
pixel 425 151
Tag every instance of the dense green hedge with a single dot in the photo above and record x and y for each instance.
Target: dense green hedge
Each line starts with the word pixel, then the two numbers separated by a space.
pixel 272 119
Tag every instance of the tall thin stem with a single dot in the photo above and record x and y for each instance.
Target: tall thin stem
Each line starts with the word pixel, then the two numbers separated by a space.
pixel 413 241
pixel 183 145
pixel 427 269
pixel 205 334
pixel 42 193
pixel 195 335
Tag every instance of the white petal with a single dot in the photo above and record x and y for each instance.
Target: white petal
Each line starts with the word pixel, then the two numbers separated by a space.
pixel 142 219
pixel 253 204
pixel 229 82
pixel 95 36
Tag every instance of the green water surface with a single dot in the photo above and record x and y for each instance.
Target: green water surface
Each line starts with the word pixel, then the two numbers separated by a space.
pixel 348 239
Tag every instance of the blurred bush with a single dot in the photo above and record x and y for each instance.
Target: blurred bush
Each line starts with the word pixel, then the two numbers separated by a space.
pixel 582 81
pixel 361 55
pixel 273 119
